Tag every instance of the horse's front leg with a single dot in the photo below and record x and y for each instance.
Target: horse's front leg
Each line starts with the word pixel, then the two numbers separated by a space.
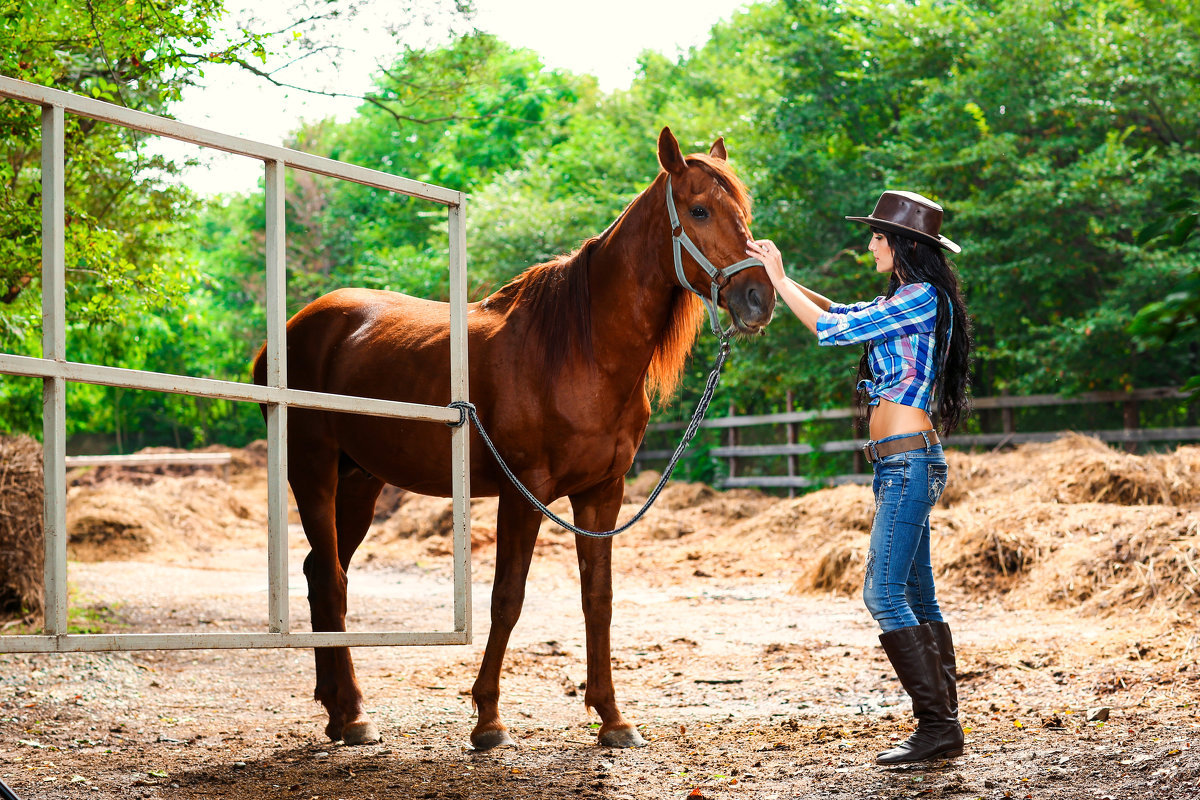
pixel 517 525
pixel 596 510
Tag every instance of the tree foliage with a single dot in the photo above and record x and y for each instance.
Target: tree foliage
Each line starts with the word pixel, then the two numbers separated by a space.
pixel 1062 137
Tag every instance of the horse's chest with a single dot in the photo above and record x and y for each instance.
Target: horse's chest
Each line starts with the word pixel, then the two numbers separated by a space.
pixel 599 448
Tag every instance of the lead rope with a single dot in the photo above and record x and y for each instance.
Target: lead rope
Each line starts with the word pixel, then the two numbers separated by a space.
pixel 467 410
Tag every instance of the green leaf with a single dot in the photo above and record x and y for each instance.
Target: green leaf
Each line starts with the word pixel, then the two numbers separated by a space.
pixel 1184 229
pixel 1152 231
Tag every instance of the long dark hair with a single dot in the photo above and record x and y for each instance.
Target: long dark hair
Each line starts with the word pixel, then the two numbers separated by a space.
pixel 918 262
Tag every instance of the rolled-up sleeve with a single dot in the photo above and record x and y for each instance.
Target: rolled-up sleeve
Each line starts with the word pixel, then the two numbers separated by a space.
pixel 838 308
pixel 912 309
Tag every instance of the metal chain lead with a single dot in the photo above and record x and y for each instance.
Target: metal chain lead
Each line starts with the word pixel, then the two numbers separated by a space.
pixel 467 410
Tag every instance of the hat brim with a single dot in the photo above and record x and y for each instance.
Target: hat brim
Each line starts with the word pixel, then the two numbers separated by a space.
pixel 888 225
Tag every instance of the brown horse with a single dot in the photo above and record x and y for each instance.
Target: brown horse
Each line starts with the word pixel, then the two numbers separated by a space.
pixel 561 362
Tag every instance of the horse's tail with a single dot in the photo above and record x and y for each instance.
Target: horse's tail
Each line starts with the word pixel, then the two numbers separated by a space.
pixel 258 373
pixel 258 369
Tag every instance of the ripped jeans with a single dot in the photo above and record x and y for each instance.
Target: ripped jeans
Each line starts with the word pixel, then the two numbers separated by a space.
pixel 898 585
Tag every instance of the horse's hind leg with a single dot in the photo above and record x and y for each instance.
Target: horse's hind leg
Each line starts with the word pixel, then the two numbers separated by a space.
pixel 336 511
pixel 596 510
pixel 355 508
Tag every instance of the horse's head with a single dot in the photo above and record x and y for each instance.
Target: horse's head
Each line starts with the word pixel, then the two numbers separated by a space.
pixel 711 207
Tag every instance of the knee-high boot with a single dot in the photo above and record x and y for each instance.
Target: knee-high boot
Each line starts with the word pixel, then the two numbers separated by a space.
pixel 945 647
pixel 915 657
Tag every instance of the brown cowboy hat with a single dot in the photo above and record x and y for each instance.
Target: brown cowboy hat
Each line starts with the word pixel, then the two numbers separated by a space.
pixel 912 215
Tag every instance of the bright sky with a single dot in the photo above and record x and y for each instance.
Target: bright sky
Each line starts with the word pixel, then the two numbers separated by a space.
pixel 582 39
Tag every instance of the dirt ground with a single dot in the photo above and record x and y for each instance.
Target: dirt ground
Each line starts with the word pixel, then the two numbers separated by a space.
pixel 740 645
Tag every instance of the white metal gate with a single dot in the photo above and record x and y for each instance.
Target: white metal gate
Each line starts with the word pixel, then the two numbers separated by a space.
pixel 55 370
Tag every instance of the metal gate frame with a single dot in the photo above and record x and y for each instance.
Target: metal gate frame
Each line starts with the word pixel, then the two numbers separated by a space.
pixel 55 370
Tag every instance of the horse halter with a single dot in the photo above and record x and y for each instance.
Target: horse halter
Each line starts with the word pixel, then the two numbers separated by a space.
pixel 719 277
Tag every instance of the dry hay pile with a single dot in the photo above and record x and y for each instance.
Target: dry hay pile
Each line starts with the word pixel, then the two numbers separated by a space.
pixel 168 511
pixel 1078 469
pixel 1070 523
pixel 412 523
pixel 22 551
pixel 817 541
pixel 1075 523
pixel 170 518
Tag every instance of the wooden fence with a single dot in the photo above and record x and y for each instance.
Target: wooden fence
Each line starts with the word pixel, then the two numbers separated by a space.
pixel 735 453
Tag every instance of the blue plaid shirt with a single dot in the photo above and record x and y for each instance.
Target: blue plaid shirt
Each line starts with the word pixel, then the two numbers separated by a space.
pixel 901 329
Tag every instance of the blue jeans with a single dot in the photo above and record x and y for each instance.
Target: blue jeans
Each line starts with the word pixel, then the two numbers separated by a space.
pixel 898 585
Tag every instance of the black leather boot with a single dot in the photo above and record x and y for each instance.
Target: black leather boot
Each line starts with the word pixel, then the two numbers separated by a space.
pixel 916 659
pixel 945 648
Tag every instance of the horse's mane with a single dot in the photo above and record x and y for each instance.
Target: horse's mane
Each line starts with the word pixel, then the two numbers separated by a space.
pixel 558 293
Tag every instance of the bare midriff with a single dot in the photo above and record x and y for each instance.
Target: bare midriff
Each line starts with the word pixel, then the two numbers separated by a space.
pixel 892 419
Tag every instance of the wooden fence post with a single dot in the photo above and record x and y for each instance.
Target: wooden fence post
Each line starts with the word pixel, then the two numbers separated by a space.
pixel 1129 413
pixel 1007 416
pixel 860 433
pixel 733 441
pixel 793 460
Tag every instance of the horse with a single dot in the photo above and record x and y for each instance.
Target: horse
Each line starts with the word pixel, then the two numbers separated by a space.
pixel 563 362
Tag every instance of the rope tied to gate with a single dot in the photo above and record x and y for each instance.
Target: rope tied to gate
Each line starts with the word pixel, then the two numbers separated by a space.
pixel 467 411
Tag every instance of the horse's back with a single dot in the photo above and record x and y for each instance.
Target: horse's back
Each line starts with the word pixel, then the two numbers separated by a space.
pixel 385 345
pixel 370 343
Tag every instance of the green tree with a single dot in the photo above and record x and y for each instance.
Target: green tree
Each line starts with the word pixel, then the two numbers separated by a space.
pixel 133 283
pixel 119 199
pixel 1177 314
pixel 1055 160
pixel 462 115
pixel 1048 164
pixel 124 256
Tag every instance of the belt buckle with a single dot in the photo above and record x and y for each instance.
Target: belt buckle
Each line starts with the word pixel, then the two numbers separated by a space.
pixel 870 452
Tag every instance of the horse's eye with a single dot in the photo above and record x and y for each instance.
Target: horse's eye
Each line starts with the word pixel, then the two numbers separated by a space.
pixel 699 212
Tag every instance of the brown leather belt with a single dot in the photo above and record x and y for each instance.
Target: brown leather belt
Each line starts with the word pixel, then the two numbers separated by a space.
pixel 873 451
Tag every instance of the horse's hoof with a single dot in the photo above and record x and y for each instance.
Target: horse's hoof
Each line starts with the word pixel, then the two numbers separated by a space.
pixel 363 732
pixel 489 739
pixel 621 737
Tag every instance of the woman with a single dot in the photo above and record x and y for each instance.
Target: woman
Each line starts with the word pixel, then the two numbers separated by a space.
pixel 917 343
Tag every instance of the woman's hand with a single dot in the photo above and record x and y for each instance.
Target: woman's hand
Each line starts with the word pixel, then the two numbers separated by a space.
pixel 806 305
pixel 766 251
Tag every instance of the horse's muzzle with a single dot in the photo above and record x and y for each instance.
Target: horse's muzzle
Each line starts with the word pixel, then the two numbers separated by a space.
pixel 750 302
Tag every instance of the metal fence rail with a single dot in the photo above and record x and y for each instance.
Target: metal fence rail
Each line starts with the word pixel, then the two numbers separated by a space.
pixel 56 370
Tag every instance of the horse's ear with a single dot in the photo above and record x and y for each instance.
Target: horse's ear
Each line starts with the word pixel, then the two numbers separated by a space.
pixel 718 149
pixel 669 154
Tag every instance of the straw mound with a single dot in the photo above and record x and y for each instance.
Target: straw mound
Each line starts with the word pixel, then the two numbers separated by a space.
pixel 1146 556
pixel 116 520
pixel 21 548
pixel 1069 523
pixel 638 489
pixel 417 517
pixel 1076 469
pixel 1096 556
